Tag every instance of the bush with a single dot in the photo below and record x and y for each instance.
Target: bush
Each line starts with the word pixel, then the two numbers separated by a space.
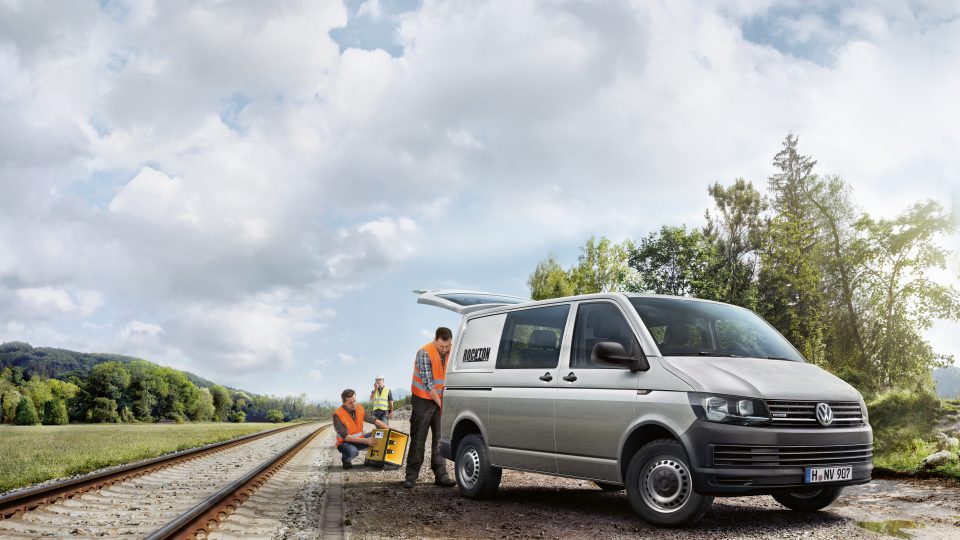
pixel 237 417
pixel 900 416
pixel 55 413
pixel 26 413
pixel 274 415
pixel 104 410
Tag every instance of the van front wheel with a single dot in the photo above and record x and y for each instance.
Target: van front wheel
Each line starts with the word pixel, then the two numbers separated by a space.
pixel 476 477
pixel 660 485
pixel 810 500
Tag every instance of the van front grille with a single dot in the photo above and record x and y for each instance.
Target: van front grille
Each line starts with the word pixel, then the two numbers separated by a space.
pixel 791 456
pixel 804 413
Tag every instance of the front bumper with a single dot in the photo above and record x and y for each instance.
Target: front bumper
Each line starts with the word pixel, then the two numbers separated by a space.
pixel 771 460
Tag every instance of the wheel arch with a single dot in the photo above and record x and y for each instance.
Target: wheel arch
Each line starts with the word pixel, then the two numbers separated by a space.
pixel 464 426
pixel 641 435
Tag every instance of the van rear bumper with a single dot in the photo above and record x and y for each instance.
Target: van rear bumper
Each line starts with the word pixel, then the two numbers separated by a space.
pixel 739 460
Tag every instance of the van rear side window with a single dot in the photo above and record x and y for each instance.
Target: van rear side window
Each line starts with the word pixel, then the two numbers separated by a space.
pixel 531 338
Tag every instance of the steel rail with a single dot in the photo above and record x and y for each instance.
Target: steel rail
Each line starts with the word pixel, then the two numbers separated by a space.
pixel 24 501
pixel 208 514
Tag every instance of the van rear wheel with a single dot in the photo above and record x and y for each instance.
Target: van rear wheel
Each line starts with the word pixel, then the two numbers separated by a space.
pixel 809 500
pixel 476 477
pixel 660 485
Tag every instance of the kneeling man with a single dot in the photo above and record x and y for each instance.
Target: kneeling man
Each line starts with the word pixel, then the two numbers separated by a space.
pixel 348 423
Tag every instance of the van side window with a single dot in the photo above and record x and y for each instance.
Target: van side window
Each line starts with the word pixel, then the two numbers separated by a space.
pixel 598 322
pixel 531 338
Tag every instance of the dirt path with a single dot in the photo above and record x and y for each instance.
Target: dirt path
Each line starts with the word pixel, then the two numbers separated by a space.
pixel 538 506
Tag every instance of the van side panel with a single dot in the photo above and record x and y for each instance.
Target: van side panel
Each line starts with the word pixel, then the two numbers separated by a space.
pixel 466 395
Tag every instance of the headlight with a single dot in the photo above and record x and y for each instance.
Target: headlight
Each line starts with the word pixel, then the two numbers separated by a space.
pixel 863 410
pixel 729 409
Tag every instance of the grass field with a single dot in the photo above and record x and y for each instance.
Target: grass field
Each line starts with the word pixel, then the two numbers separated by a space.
pixel 31 454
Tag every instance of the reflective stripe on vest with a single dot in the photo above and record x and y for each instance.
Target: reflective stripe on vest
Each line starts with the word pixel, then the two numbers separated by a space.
pixel 380 399
pixel 437 368
pixel 354 427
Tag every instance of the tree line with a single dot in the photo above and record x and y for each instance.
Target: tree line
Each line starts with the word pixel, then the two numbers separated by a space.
pixel 852 292
pixel 136 391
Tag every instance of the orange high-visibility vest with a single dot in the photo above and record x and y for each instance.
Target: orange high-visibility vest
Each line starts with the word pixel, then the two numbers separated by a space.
pixel 437 367
pixel 354 427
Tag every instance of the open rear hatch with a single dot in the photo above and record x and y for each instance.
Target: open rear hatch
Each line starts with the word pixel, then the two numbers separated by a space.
pixel 464 302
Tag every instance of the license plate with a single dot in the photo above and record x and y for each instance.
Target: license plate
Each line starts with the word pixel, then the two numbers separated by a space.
pixel 815 475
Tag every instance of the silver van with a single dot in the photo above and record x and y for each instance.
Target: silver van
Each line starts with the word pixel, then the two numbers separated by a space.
pixel 676 400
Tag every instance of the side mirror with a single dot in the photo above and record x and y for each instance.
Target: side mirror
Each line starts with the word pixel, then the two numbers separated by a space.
pixel 613 353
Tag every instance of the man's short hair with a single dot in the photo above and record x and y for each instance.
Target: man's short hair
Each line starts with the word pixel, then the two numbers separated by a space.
pixel 443 334
pixel 347 394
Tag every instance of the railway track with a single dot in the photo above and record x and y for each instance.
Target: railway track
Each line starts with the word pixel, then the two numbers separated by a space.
pixel 182 495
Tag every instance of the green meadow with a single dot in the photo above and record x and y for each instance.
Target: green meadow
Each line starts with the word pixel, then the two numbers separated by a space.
pixel 31 454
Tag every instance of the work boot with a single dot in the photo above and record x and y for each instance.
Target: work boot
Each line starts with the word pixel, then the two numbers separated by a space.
pixel 408 484
pixel 347 464
pixel 444 481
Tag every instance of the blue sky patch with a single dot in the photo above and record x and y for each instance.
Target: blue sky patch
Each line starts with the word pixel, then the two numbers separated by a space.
pixel 369 32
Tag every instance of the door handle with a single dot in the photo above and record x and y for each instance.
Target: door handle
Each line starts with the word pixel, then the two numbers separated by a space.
pixel 546 377
pixel 570 377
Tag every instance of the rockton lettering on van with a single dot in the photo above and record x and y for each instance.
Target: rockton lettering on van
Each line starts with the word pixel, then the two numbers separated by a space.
pixel 675 400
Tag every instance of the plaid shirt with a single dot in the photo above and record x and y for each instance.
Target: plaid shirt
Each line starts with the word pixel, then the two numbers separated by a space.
pixel 426 370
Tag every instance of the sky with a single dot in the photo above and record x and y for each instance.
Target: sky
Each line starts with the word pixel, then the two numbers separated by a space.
pixel 251 191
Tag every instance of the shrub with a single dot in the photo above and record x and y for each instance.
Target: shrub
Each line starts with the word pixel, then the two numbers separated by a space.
pixel 274 415
pixel 900 416
pixel 55 413
pixel 26 413
pixel 104 410
pixel 237 417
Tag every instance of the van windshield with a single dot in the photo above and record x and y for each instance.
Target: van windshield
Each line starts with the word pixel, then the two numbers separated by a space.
pixel 690 328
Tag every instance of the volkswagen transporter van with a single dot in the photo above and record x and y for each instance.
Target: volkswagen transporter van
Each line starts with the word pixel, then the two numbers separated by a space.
pixel 675 400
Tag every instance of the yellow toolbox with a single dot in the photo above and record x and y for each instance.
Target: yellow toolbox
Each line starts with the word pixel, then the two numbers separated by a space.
pixel 388 448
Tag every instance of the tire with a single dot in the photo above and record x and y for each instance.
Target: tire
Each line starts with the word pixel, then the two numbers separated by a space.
pixel 809 500
pixel 660 485
pixel 476 477
pixel 609 487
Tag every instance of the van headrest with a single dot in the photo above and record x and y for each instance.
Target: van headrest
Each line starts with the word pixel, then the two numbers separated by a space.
pixel 543 339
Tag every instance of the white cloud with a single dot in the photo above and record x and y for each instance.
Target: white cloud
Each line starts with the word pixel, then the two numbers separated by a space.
pixel 349 359
pixel 315 375
pixel 52 301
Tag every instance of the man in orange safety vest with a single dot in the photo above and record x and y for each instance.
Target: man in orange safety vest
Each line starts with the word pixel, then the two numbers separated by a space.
pixel 348 423
pixel 429 371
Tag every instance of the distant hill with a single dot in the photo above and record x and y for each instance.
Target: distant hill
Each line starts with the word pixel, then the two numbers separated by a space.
pixel 948 382
pixel 54 363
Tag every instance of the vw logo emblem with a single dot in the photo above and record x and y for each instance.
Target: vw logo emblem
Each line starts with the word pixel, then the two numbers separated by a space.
pixel 824 414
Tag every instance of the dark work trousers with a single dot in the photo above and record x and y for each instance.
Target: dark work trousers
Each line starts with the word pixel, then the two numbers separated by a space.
pixel 425 415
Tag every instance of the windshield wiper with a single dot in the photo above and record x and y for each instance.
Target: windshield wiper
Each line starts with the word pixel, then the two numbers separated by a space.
pixel 780 358
pixel 727 355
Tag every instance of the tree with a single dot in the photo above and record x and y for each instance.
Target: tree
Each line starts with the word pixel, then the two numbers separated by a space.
pixel 550 280
pixel 789 292
pixel 200 408
pixel 108 380
pixel 55 413
pixel 274 415
pixel 674 261
pixel 104 410
pixel 735 230
pixel 900 301
pixel 602 267
pixel 221 402
pixel 26 413
pixel 237 416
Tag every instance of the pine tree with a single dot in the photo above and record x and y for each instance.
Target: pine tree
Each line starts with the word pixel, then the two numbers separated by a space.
pixel 26 413
pixel 55 413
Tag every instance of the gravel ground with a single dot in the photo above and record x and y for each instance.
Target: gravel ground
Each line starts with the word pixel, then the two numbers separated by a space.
pixel 140 505
pixel 539 506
